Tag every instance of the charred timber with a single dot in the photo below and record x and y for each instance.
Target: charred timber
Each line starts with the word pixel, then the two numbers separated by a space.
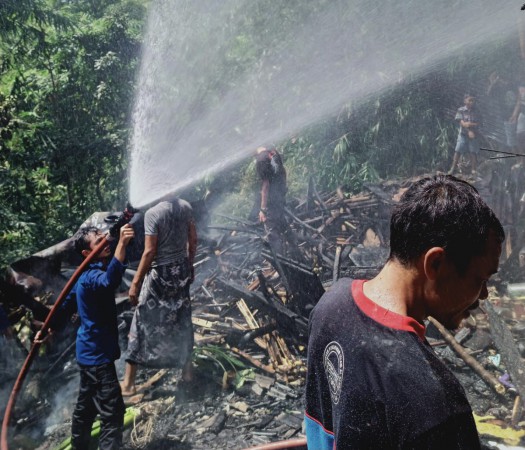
pixel 289 263
pixel 303 223
pixel 258 332
pixel 288 322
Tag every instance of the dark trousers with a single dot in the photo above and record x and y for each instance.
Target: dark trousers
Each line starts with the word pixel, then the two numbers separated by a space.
pixel 276 229
pixel 99 394
pixel 279 234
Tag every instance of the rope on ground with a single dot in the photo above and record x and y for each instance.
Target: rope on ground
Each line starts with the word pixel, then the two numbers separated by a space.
pixel 141 432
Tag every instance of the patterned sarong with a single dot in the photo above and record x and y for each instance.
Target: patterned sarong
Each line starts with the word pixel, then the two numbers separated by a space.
pixel 161 333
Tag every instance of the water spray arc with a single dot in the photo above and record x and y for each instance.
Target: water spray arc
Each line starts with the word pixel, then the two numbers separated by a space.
pixel 200 107
pixel 123 219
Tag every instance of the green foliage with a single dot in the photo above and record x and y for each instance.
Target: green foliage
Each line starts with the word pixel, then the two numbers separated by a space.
pixel 219 355
pixel 67 80
pixel 65 98
pixel 22 22
pixel 223 360
pixel 242 376
pixel 402 132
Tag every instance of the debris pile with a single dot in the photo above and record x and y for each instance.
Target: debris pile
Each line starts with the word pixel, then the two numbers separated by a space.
pixel 250 314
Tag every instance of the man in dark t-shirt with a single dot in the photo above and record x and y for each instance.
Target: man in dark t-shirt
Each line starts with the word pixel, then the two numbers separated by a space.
pixel 373 381
pixel 271 171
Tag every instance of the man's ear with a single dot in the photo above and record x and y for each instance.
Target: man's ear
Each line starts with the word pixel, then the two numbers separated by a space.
pixel 85 253
pixel 433 261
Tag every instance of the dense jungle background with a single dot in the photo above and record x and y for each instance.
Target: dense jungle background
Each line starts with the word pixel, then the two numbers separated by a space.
pixel 67 78
pixel 108 101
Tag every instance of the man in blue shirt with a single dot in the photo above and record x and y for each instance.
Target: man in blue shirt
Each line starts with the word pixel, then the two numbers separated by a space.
pixel 97 341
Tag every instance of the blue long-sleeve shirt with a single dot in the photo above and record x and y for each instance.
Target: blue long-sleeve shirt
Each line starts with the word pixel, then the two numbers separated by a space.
pixel 97 336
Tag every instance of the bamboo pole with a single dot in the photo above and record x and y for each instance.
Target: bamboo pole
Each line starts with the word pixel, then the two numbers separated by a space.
pixel 490 379
pixel 261 341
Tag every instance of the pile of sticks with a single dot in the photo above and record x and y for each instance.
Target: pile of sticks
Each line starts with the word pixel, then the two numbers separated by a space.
pixel 257 302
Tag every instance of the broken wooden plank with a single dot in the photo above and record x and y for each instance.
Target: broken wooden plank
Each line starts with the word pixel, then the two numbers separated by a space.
pixel 253 361
pixel 287 320
pixel 337 262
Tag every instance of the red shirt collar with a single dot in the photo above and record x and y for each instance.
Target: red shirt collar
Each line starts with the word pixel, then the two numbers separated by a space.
pixel 384 316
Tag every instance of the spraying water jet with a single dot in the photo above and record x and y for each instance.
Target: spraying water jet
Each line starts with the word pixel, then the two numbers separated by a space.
pixel 189 123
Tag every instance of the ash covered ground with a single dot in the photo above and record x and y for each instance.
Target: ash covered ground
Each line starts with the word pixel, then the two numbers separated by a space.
pixel 250 315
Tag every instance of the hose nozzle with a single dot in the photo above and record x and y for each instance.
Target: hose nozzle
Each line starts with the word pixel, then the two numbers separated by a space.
pixel 122 220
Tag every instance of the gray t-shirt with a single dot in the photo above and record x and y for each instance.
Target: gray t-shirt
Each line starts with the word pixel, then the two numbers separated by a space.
pixel 169 221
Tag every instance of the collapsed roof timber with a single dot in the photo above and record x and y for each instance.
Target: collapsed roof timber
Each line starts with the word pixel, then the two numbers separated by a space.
pixel 250 315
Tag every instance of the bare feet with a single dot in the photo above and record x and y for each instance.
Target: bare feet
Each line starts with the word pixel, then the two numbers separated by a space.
pixel 127 385
pixel 127 391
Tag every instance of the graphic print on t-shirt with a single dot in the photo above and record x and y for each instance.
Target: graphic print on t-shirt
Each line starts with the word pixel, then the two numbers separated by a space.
pixel 334 365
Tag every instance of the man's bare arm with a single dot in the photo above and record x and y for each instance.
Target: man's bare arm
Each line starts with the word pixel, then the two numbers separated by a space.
pixel 150 250
pixel 126 234
pixel 265 189
pixel 192 241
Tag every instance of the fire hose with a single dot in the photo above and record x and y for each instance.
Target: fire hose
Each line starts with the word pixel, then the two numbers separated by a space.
pixel 297 444
pixel 123 219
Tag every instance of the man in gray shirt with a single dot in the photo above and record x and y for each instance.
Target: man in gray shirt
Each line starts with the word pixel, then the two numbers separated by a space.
pixel 161 333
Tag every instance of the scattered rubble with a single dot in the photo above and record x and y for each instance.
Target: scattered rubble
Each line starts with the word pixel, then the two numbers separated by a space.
pixel 250 313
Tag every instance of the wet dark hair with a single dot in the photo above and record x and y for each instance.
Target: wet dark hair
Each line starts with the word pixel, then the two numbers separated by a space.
pixel 442 211
pixel 269 146
pixel 81 238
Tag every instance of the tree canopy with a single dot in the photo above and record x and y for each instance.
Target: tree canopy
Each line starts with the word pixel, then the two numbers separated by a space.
pixel 68 76
pixel 66 85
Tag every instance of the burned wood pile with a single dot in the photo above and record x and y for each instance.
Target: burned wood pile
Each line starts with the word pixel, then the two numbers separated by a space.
pixel 250 315
pixel 258 302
